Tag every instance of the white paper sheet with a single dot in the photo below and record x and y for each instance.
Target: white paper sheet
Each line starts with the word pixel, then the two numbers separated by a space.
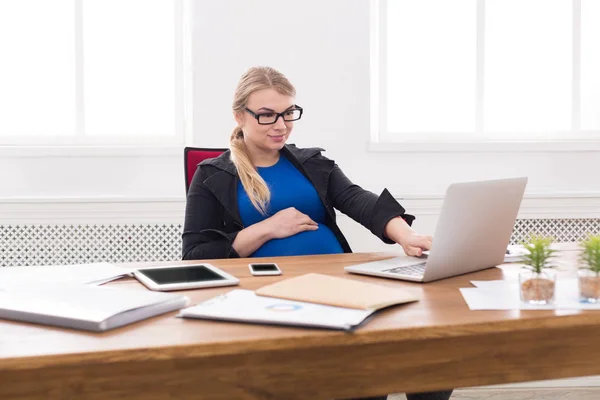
pixel 504 295
pixel 85 274
pixel 515 252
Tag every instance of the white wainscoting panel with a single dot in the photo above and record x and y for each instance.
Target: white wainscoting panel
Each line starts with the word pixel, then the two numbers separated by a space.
pixel 42 231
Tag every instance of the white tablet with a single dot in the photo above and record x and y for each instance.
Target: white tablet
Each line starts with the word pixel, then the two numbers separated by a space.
pixel 180 277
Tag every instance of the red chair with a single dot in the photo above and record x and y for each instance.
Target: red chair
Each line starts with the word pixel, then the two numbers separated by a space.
pixel 192 156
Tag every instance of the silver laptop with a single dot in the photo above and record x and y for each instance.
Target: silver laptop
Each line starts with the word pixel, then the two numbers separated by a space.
pixel 472 233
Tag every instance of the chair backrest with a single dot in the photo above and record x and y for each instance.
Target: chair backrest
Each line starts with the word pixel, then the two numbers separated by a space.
pixel 192 156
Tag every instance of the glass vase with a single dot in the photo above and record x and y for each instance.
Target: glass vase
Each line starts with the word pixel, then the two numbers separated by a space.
pixel 589 286
pixel 537 288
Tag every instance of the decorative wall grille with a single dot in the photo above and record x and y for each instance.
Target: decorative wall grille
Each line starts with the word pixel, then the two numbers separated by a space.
pixel 562 230
pixel 22 245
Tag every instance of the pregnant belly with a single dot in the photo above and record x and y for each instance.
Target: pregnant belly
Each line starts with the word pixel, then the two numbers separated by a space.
pixel 320 241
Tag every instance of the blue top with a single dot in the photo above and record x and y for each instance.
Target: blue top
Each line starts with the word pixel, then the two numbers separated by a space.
pixel 289 188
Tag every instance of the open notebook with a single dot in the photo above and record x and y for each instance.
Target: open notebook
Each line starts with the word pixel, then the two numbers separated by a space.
pixel 92 308
pixel 311 300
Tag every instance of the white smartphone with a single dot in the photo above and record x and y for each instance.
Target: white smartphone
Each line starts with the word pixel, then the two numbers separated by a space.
pixel 260 269
pixel 181 277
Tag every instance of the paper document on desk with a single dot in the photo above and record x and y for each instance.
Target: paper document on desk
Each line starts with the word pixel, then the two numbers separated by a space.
pixel 515 252
pixel 504 295
pixel 245 306
pixel 85 274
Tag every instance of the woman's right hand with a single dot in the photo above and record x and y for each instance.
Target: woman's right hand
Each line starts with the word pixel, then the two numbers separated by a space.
pixel 289 222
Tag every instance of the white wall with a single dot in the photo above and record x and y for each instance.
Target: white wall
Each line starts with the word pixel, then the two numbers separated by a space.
pixel 323 47
pixel 329 64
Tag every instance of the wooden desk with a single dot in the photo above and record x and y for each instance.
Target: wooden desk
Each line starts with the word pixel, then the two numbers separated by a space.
pixel 436 343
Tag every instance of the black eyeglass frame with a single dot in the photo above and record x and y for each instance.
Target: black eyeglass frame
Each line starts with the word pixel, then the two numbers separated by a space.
pixel 281 114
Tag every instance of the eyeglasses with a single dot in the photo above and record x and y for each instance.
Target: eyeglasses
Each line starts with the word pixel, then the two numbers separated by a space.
pixel 269 118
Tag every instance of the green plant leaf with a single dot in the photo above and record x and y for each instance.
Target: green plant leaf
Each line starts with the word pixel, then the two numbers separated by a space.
pixel 539 253
pixel 590 256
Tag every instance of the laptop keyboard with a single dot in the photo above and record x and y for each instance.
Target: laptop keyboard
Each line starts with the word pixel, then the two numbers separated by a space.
pixel 411 270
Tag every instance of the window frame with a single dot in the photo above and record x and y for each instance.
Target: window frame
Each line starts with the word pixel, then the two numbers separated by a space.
pixel 81 144
pixel 382 140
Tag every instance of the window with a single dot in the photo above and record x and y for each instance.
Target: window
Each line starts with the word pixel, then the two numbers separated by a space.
pixel 91 72
pixel 485 70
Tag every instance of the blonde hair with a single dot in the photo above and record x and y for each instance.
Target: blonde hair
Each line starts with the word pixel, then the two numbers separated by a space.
pixel 256 78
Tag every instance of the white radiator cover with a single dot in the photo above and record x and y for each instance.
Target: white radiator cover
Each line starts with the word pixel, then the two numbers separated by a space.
pixel 22 245
pixel 47 231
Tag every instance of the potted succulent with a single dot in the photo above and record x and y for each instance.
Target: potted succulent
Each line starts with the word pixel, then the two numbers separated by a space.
pixel 537 280
pixel 589 270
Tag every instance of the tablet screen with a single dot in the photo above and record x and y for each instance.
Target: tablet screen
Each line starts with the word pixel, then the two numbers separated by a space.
pixel 193 273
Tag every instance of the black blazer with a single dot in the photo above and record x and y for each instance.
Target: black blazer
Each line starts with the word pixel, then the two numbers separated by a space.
pixel 212 218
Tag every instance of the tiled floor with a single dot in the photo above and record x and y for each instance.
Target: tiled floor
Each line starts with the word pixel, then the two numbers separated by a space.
pixel 592 393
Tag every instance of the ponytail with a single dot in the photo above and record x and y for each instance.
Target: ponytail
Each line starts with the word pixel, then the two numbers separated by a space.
pixel 255 186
